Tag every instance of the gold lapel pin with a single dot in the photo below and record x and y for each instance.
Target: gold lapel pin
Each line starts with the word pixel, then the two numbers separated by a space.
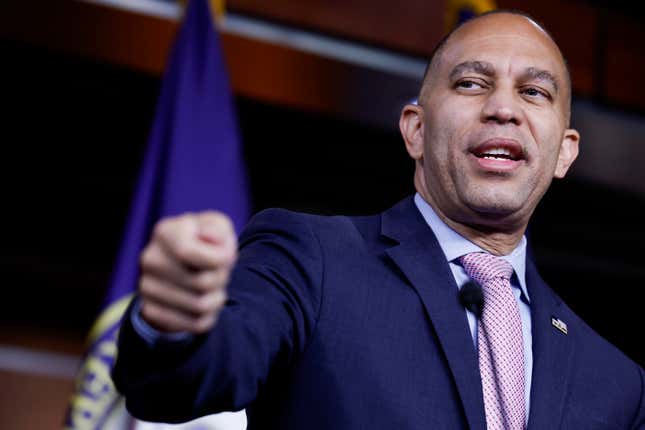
pixel 559 324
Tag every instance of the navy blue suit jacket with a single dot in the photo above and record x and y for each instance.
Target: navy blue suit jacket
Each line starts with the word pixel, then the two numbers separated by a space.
pixel 354 323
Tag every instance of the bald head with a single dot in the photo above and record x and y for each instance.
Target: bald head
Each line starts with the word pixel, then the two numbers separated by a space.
pixel 490 130
pixel 499 23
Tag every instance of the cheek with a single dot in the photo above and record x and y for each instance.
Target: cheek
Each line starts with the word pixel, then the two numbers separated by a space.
pixel 446 129
pixel 437 154
pixel 550 151
pixel 547 133
pixel 446 134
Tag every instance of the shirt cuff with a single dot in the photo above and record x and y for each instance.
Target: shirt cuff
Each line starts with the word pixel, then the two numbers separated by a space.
pixel 152 336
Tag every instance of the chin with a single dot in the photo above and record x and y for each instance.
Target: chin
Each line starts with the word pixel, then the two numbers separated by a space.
pixel 498 207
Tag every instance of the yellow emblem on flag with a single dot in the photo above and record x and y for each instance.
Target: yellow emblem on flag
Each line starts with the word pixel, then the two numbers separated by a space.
pixel 460 11
pixel 95 397
pixel 218 8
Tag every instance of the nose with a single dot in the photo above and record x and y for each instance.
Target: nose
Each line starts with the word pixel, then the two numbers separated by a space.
pixel 501 106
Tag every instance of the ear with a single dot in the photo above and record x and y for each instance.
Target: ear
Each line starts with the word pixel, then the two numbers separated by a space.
pixel 568 152
pixel 411 126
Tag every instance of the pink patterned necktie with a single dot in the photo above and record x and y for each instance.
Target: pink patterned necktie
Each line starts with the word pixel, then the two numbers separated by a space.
pixel 499 342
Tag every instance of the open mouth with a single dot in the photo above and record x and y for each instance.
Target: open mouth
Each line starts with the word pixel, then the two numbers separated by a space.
pixel 499 149
pixel 499 155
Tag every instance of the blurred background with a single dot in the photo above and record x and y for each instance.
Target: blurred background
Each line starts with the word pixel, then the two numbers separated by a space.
pixel 318 88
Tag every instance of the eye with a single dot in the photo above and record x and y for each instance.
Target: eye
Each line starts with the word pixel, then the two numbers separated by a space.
pixel 535 92
pixel 469 84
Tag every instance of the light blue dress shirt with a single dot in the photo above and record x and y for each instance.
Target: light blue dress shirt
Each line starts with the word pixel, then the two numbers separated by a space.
pixel 454 246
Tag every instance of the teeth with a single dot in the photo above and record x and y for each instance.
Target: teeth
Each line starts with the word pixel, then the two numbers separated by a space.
pixel 498 151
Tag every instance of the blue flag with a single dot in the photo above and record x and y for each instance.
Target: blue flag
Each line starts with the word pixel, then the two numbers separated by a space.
pixel 193 162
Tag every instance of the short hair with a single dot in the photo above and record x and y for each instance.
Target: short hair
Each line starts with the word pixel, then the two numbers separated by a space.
pixel 436 52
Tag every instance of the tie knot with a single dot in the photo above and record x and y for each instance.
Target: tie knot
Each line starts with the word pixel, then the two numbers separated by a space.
pixel 484 267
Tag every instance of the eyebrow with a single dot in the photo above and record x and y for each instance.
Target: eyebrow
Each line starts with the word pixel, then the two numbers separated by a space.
pixel 535 74
pixel 485 68
pixel 481 67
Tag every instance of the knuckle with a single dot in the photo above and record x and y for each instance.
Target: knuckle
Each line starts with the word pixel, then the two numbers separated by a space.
pixel 145 286
pixel 217 220
pixel 228 257
pixel 185 221
pixel 162 228
pixel 222 277
pixel 226 220
pixel 223 295
pixel 226 224
pixel 212 215
pixel 220 299
pixel 168 228
pixel 183 251
pixel 147 310
pixel 203 304
pixel 204 323
pixel 204 281
pixel 147 257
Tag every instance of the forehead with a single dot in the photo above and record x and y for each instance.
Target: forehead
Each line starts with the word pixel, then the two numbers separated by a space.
pixel 506 41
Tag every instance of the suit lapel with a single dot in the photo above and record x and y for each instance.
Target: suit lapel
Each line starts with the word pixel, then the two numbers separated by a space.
pixel 552 354
pixel 421 259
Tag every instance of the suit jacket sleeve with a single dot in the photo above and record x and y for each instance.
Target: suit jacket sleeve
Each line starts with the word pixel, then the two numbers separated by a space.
pixel 274 297
pixel 639 421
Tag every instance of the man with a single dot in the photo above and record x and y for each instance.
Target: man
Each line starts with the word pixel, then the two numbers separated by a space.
pixel 356 322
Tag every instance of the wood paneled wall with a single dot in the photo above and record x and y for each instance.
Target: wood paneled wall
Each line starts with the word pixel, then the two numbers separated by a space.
pixel 603 47
pixel 412 26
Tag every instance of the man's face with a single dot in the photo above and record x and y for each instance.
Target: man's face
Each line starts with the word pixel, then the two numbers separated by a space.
pixel 493 130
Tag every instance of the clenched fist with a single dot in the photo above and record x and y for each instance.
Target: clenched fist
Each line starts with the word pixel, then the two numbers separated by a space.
pixel 184 271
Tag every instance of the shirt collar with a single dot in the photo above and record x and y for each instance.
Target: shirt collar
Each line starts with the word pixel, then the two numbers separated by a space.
pixel 455 245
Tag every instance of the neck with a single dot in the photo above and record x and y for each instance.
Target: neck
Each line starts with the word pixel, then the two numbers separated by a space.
pixel 494 236
pixel 496 242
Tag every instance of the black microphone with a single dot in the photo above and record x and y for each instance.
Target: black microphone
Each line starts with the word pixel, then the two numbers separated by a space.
pixel 472 298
